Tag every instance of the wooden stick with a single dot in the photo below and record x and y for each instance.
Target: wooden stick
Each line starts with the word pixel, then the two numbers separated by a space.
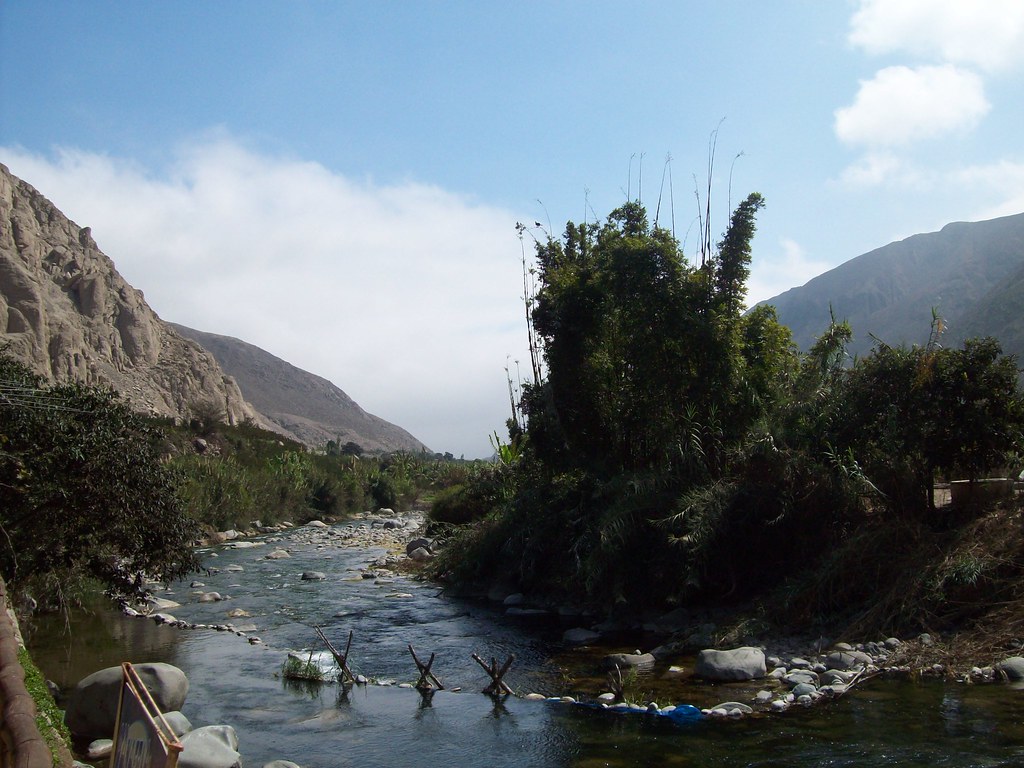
pixel 425 674
pixel 340 659
pixel 498 686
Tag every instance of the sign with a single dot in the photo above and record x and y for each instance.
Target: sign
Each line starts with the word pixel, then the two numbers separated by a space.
pixel 142 737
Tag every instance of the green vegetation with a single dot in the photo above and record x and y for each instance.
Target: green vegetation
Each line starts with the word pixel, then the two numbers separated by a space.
pixel 297 669
pixel 49 717
pixel 92 493
pixel 670 448
pixel 83 492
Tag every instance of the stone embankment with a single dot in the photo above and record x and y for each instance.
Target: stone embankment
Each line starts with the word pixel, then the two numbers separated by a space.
pixel 22 745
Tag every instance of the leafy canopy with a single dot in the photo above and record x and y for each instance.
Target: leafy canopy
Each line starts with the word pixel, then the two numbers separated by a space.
pixel 83 491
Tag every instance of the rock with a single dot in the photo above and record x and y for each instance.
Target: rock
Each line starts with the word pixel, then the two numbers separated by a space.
pixel 316 524
pixel 527 613
pixel 99 749
pixel 314 576
pixel 580 636
pixel 834 676
pixel 730 706
pixel 804 689
pixel 213 746
pixel 892 643
pixel 196 584
pixel 535 697
pixel 925 639
pixel 178 722
pixel 163 618
pixel 278 554
pixel 92 706
pixel 763 697
pixel 1012 667
pixel 238 613
pixel 607 698
pixel 797 663
pixel 745 663
pixel 161 604
pixel 420 554
pixel 516 598
pixel 847 660
pixel 779 705
pixel 799 676
pixel 210 597
pixel 420 543
pixel 498 592
pixel 627 660
pixel 229 535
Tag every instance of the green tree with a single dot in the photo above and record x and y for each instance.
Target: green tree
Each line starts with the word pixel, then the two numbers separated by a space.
pixel 83 491
pixel 909 414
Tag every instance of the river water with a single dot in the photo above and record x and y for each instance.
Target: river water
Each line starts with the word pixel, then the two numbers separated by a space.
pixel 880 723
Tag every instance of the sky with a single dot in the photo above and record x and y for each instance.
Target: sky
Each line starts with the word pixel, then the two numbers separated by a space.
pixel 339 182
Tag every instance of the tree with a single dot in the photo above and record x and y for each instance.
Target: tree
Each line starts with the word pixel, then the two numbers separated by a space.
pixel 83 492
pixel 911 413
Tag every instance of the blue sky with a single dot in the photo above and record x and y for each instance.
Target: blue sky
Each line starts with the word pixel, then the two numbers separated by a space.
pixel 338 182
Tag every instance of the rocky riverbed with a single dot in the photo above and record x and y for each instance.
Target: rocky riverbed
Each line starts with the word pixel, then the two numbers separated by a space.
pixel 356 575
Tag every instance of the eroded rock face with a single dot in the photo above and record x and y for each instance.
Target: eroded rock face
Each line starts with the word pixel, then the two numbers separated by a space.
pixel 69 315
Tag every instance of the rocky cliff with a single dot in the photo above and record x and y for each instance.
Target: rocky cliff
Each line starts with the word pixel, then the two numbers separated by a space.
pixel 66 312
pixel 303 405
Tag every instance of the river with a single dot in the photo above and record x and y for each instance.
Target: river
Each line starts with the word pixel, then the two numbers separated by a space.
pixel 880 723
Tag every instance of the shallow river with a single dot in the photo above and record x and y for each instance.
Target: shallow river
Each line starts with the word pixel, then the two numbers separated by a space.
pixel 880 723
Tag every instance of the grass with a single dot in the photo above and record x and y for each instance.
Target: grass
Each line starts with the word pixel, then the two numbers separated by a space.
pixel 49 717
pixel 297 669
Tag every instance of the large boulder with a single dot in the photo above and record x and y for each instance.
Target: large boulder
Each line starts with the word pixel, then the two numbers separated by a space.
pixel 744 663
pixel 92 707
pixel 213 746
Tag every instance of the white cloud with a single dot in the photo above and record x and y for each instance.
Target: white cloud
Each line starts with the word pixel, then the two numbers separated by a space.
pixel 1004 179
pixel 982 33
pixel 901 105
pixel 874 168
pixel 776 273
pixel 405 295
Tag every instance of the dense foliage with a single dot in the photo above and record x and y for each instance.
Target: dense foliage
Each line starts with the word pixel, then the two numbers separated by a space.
pixel 673 447
pixel 83 492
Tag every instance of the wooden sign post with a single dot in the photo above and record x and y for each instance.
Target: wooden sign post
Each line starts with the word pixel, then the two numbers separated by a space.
pixel 142 737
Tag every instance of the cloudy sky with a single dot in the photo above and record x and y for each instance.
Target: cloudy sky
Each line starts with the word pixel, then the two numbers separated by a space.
pixel 339 182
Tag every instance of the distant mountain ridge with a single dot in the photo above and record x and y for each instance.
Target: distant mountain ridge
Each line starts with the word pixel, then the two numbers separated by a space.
pixel 971 273
pixel 304 405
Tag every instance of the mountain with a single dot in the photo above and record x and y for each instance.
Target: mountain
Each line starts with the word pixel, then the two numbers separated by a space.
pixel 67 313
pixel 304 405
pixel 972 274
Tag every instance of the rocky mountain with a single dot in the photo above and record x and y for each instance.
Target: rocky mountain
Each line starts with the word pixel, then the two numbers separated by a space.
pixel 972 274
pixel 67 313
pixel 304 405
